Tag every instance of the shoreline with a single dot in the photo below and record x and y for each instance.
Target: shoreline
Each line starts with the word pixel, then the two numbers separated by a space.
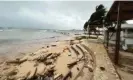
pixel 10 51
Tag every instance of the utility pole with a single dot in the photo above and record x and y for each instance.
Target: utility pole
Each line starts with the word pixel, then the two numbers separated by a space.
pixel 117 47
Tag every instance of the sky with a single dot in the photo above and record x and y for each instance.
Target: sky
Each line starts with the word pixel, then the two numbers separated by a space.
pixel 47 14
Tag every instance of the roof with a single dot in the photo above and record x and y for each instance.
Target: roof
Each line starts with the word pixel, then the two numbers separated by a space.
pixel 126 10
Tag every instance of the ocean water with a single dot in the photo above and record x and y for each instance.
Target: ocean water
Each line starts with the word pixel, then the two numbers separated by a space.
pixel 24 35
pixel 15 41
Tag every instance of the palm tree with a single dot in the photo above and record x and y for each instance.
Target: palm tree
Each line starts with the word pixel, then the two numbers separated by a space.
pixel 97 19
pixel 85 26
pixel 98 16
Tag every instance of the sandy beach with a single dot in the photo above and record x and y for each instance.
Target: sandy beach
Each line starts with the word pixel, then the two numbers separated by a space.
pixel 58 47
pixel 70 59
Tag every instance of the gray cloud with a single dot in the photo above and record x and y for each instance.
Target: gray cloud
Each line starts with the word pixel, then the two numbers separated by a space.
pixel 47 14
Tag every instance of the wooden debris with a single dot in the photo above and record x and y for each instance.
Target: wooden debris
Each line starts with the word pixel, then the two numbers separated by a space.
pixel 26 70
pixel 42 57
pixel 90 68
pixel 49 61
pixel 58 77
pixel 41 69
pixel 72 64
pixel 54 55
pixel 18 61
pixel 32 73
pixel 68 74
pixel 53 45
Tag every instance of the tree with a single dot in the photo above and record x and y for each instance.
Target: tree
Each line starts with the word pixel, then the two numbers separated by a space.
pixel 85 25
pixel 98 16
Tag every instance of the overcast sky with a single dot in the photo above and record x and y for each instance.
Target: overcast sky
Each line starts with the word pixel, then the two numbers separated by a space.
pixel 47 14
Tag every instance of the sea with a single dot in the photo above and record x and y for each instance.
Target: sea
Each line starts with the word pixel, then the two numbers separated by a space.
pixel 19 41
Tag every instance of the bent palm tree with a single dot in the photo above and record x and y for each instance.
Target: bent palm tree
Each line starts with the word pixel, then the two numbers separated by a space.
pixel 85 26
pixel 96 19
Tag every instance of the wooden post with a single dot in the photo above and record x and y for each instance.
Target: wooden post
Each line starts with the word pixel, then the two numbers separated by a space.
pixel 107 39
pixel 117 47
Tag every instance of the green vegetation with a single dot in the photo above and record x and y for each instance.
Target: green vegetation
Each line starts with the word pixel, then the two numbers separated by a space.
pixel 99 18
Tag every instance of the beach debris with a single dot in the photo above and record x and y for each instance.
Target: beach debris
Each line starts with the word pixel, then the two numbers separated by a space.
pixel 77 68
pixel 71 42
pixel 66 48
pixel 47 46
pixel 17 61
pixel 12 72
pixel 42 57
pixel 54 55
pixel 71 64
pixel 68 74
pixel 89 67
pixel 53 45
pixel 58 76
pixel 26 70
pixel 102 68
pixel 41 69
pixel 49 70
pixel 42 65
pixel 69 54
pixel 49 61
pixel 32 73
